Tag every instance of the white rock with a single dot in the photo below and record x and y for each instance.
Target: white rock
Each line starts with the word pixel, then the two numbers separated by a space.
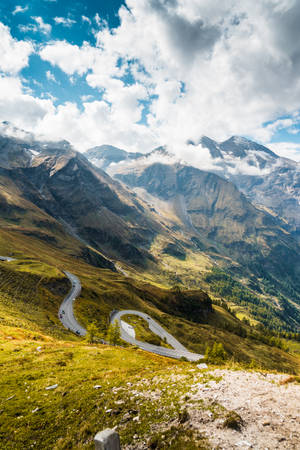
pixel 202 366
pixel 54 386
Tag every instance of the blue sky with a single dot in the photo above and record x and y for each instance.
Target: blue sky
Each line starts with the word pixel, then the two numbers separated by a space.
pixel 142 73
pixel 76 33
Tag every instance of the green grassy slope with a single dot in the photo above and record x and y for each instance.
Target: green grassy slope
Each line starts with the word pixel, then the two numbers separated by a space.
pixel 32 290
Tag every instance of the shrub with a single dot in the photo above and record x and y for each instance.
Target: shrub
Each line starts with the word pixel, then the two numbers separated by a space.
pixel 233 420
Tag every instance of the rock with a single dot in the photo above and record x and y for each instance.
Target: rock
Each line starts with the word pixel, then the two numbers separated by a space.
pixel 202 366
pixel 54 386
pixel 244 444
pixel 107 440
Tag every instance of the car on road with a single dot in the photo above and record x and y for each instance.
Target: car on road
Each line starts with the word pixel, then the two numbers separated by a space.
pixel 63 312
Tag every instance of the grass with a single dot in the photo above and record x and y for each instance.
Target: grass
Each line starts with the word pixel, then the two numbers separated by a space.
pixel 143 332
pixel 97 387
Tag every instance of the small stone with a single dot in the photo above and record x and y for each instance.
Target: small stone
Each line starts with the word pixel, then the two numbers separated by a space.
pixel 202 366
pixel 97 386
pixel 244 444
pixel 54 386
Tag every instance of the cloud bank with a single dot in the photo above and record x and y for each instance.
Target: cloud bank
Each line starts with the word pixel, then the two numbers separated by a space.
pixel 173 70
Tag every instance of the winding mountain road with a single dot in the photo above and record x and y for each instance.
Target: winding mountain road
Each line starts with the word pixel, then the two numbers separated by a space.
pixel 66 312
pixel 178 351
pixel 67 318
pixel 66 315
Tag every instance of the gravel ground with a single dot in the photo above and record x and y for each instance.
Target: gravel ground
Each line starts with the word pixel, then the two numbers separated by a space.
pixel 270 411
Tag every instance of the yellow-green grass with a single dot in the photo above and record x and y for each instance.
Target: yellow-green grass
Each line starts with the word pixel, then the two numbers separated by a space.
pixel 142 330
pixel 242 313
pixel 294 346
pixel 97 387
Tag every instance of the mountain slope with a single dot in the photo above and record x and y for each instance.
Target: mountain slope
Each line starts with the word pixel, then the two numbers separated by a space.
pixel 217 213
pixel 61 183
pixel 264 177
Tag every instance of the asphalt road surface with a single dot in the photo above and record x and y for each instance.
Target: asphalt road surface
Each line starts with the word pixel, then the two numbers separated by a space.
pixel 178 351
pixel 66 313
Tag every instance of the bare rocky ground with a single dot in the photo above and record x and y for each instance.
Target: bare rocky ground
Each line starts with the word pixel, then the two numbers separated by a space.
pixel 268 406
pixel 270 411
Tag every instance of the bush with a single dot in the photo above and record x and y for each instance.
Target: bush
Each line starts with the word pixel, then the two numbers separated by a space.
pixel 233 420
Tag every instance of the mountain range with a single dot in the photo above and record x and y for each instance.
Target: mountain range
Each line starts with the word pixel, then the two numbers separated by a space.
pixel 267 180
pixel 159 218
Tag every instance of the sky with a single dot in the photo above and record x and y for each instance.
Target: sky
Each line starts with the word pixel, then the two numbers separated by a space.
pixel 142 73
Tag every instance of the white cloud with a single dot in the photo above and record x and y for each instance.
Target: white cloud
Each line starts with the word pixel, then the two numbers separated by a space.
pixel 14 54
pixel 289 150
pixel 209 67
pixel 43 27
pixel 70 58
pixel 50 76
pixel 86 98
pixel 64 21
pixel 19 108
pixel 19 9
pixel 86 19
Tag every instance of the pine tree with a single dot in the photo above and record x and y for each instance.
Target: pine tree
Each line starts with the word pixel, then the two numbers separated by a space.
pixel 92 333
pixel 113 334
pixel 207 353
